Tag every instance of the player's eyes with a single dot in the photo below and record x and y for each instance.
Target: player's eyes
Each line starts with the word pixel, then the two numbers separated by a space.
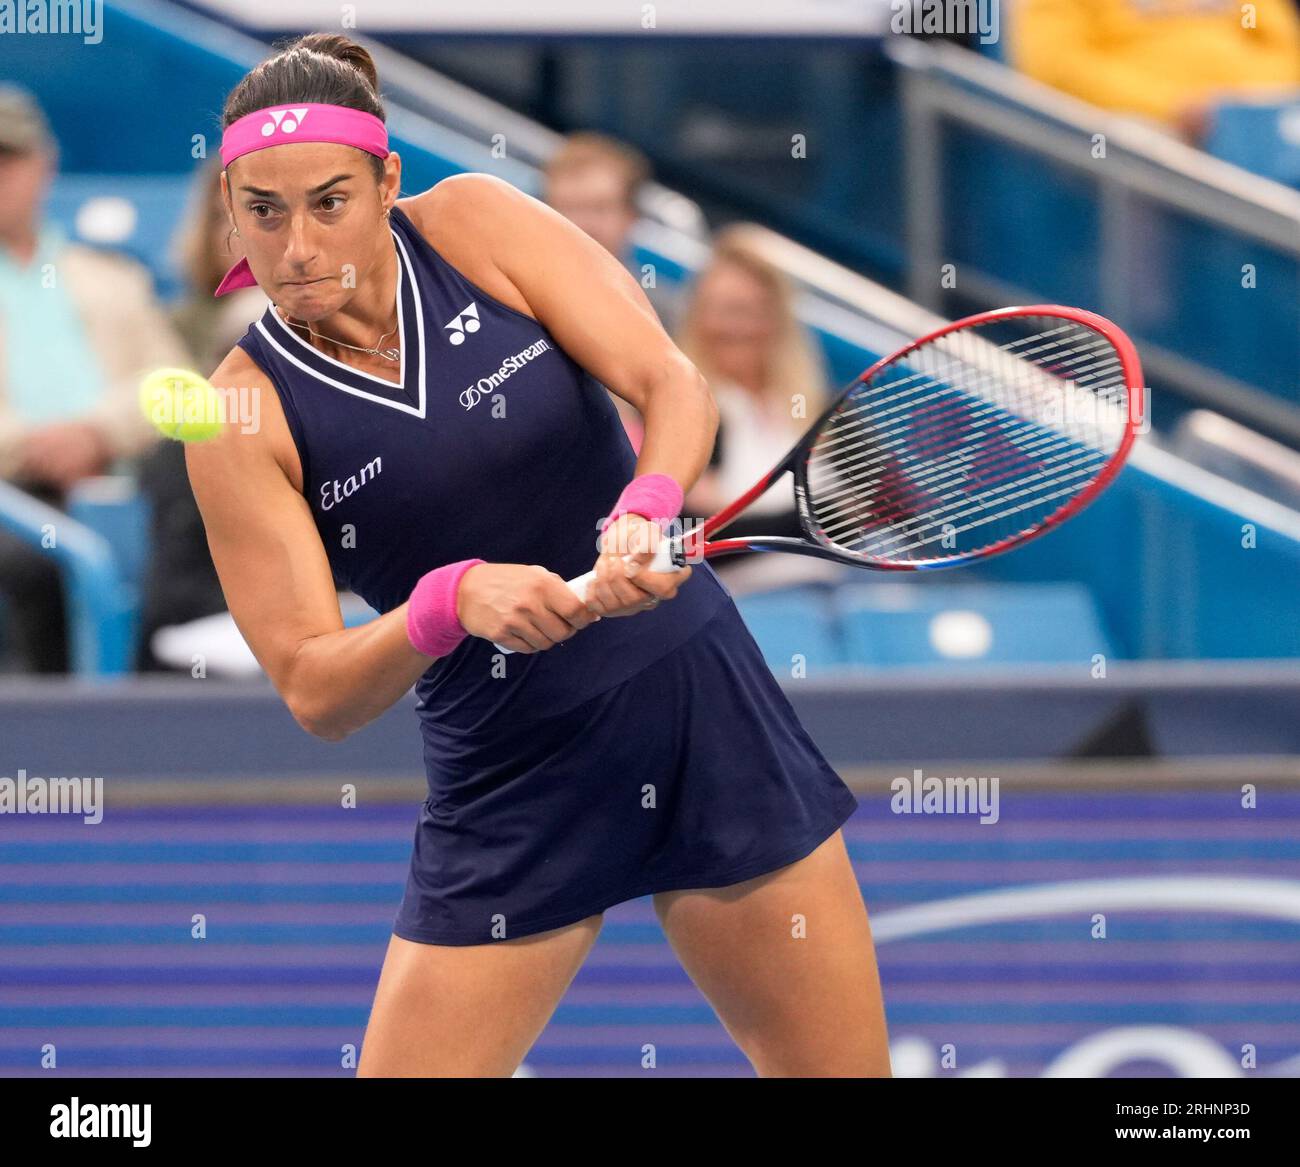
pixel 256 209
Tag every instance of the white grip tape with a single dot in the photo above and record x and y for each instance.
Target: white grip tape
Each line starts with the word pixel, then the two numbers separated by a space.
pixel 662 561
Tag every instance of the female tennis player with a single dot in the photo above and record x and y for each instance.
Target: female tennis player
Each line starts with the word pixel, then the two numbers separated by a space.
pixel 436 436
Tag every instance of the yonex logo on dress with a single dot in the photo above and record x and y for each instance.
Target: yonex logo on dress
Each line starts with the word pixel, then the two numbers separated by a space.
pixel 285 120
pixel 511 365
pixel 467 321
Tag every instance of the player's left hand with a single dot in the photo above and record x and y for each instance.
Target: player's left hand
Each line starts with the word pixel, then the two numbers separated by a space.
pixel 615 592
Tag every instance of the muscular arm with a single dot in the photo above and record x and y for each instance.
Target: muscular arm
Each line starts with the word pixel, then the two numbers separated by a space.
pixel 277 580
pixel 542 265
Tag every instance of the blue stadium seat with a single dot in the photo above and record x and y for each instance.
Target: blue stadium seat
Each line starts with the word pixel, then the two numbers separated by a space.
pixel 103 604
pixel 892 623
pixel 114 507
pixel 158 202
pixel 792 622
pixel 1264 139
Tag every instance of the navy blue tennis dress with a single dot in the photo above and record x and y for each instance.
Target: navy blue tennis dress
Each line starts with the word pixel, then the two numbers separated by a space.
pixel 645 753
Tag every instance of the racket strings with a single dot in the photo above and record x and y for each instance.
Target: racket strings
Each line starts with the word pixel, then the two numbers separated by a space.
pixel 859 482
pixel 901 403
pixel 996 472
pixel 888 511
pixel 865 472
pixel 921 449
pixel 984 425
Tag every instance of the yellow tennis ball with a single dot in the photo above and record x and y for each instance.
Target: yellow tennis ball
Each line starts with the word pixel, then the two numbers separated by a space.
pixel 181 404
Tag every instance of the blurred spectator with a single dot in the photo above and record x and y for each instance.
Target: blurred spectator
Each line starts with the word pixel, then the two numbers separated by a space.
pixel 181 584
pixel 204 247
pixel 594 181
pixel 1168 62
pixel 767 376
pixel 78 328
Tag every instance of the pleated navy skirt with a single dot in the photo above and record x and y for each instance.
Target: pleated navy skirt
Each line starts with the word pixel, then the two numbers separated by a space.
pixel 694 773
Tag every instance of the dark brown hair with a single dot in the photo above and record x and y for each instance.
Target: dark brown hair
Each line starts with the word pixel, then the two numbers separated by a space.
pixel 321 67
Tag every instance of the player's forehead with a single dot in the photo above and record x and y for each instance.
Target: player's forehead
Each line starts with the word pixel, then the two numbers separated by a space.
pixel 294 169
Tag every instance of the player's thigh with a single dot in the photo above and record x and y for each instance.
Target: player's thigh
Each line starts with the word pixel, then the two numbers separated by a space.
pixel 788 963
pixel 471 1011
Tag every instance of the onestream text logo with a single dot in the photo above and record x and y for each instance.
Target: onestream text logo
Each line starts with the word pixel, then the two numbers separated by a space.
pixel 511 365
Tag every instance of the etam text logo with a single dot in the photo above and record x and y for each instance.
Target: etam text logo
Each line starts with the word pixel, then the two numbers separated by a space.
pixel 284 120
pixel 467 321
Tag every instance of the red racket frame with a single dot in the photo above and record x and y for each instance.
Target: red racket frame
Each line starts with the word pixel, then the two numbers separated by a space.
pixel 687 546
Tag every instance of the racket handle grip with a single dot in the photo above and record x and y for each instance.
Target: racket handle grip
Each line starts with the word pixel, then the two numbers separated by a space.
pixel 662 561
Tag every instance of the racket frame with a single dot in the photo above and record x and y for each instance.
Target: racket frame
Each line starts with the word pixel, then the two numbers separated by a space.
pixel 694 545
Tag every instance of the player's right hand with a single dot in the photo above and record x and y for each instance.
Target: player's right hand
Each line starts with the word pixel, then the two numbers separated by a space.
pixel 519 606
pixel 630 544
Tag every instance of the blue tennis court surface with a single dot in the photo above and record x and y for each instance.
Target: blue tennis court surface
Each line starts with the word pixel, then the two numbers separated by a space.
pixel 97 960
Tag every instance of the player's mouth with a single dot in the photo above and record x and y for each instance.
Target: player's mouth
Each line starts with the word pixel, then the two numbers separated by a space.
pixel 304 283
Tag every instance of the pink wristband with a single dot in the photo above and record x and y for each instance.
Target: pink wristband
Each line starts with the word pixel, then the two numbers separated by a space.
pixel 431 622
pixel 653 496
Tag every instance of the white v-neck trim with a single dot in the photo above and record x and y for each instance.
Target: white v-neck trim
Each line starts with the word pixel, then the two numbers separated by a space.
pixel 404 406
pixel 405 273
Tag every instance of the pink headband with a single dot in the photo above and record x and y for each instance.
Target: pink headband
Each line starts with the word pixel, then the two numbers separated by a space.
pixel 308 122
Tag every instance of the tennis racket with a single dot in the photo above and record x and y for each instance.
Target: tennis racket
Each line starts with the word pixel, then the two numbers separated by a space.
pixel 978 437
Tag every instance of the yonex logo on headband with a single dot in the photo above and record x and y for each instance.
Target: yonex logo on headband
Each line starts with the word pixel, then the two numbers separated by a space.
pixel 280 122
pixel 275 125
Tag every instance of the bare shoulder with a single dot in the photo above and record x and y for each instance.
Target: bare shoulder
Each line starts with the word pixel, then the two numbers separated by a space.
pixel 463 199
pixel 255 431
pixel 466 215
pixel 238 368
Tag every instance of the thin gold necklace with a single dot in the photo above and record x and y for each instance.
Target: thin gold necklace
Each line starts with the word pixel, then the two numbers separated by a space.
pixel 392 353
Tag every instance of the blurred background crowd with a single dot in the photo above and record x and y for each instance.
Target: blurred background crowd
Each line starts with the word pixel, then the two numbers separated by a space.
pixel 80 321
pixel 76 351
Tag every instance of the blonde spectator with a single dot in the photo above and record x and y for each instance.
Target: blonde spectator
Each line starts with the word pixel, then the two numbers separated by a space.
pixel 769 381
